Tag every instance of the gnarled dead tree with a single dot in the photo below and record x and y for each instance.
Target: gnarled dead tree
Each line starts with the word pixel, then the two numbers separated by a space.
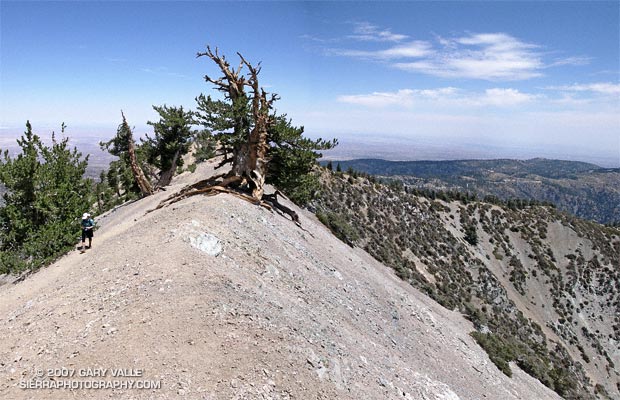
pixel 249 162
pixel 123 146
pixel 246 178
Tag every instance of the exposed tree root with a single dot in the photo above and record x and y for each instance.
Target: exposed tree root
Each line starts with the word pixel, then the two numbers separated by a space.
pixel 272 199
pixel 208 190
pixel 212 187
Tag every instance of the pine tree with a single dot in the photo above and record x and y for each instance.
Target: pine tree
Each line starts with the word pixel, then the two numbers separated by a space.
pixel 126 173
pixel 292 159
pixel 205 146
pixel 173 135
pixel 46 192
pixel 471 235
pixel 18 177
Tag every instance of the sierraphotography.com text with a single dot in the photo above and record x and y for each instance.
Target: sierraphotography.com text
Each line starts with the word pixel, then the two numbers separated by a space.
pixel 96 378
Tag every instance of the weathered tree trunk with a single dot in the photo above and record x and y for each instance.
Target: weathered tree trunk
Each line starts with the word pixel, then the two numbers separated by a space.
pixel 257 166
pixel 166 176
pixel 99 202
pixel 145 186
pixel 272 199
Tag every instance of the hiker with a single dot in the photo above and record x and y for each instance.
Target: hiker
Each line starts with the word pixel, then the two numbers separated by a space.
pixel 87 230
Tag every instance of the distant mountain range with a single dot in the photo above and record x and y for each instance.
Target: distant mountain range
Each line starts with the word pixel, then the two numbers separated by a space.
pixel 583 189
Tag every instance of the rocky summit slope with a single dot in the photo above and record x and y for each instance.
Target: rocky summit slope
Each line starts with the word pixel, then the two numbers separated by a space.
pixel 214 298
pixel 542 287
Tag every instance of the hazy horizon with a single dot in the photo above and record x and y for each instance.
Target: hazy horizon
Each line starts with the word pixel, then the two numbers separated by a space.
pixel 406 80
pixel 363 146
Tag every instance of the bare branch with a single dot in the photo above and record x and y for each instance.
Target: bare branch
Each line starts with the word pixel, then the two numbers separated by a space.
pixel 239 68
pixel 235 82
pixel 223 162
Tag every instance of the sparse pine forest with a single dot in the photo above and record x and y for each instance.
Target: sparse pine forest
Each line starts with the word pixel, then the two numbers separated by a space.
pixel 541 287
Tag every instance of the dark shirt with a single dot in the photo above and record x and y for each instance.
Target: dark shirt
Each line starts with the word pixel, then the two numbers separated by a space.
pixel 87 223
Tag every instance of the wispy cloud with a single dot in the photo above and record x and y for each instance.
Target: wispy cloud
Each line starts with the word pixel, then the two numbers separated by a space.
pixel 316 39
pixel 605 88
pixel 442 97
pixel 368 32
pixel 494 56
pixel 488 56
pixel 362 32
pixel 571 61
pixel 415 49
pixel 402 97
pixel 606 72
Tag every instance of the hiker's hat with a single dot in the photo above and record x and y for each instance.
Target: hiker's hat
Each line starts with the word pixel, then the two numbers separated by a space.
pixel 85 216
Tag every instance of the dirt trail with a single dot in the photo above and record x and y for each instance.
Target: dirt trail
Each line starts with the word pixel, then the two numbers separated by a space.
pixel 215 298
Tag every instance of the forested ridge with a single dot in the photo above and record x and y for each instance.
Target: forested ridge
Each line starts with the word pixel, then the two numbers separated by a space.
pixel 583 189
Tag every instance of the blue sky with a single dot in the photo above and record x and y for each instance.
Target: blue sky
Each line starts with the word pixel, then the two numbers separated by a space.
pixel 519 79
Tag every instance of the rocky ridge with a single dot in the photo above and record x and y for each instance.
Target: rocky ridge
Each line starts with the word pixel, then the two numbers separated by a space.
pixel 217 299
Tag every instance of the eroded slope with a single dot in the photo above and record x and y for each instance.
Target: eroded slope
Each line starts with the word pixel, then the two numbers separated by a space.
pixel 541 287
pixel 218 299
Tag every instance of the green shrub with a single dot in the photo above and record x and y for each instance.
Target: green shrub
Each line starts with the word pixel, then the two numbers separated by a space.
pixel 339 227
pixel 500 351
pixel 471 235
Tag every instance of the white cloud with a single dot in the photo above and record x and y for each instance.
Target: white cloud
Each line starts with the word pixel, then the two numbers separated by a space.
pixel 415 49
pixel 439 93
pixel 402 97
pixel 606 88
pixel 497 41
pixel 505 97
pixel 365 31
pixel 441 97
pixel 488 56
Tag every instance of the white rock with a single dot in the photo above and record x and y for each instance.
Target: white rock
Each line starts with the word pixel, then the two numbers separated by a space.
pixel 207 243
